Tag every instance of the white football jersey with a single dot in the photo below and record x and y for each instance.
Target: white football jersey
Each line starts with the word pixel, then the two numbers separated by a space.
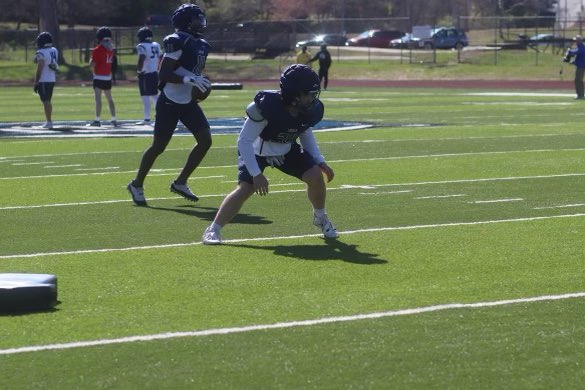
pixel 49 56
pixel 152 53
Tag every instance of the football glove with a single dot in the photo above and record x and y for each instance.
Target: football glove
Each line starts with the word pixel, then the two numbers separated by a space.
pixel 54 67
pixel 202 83
pixel 275 161
pixel 36 88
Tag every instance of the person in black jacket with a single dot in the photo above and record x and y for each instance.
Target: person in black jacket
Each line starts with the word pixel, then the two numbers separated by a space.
pixel 324 58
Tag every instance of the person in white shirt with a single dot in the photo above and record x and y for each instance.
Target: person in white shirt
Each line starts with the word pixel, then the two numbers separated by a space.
pixel 149 56
pixel 46 58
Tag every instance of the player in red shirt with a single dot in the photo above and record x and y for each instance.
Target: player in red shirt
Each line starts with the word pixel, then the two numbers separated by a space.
pixel 101 61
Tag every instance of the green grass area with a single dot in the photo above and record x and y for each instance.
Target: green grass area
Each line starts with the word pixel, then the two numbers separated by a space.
pixel 456 196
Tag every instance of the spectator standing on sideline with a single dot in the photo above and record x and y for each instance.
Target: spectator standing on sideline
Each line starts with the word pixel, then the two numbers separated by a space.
pixel 46 58
pixel 304 56
pixel 324 58
pixel 149 55
pixel 101 61
pixel 180 71
pixel 275 120
pixel 579 61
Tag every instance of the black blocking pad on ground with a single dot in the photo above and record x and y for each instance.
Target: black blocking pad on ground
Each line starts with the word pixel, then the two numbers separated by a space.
pixel 27 292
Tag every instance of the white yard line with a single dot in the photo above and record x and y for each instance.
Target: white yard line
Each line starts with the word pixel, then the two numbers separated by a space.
pixel 440 196
pixel 290 324
pixel 346 232
pixel 497 200
pixel 562 206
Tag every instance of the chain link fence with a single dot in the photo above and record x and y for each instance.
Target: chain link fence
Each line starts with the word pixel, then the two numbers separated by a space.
pixel 492 40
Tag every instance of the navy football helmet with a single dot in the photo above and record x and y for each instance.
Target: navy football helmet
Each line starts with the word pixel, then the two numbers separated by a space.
pixel 299 79
pixel 144 34
pixel 189 18
pixel 103 32
pixel 44 39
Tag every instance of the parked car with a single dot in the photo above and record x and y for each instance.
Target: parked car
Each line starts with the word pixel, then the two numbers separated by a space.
pixel 403 42
pixel 443 38
pixel 375 38
pixel 328 39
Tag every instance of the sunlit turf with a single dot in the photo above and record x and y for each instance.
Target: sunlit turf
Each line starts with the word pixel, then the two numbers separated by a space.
pixel 453 197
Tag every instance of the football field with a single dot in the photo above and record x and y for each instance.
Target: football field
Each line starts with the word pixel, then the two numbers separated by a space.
pixel 460 262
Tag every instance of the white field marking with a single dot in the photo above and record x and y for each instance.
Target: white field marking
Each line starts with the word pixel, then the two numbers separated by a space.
pixel 64 166
pixel 341 187
pixel 6 160
pixel 530 94
pixel 560 206
pixel 300 236
pixel 498 200
pixel 290 324
pixel 458 154
pixel 353 99
pixel 385 192
pixel 97 169
pixel 33 163
pixel 518 103
pixel 440 196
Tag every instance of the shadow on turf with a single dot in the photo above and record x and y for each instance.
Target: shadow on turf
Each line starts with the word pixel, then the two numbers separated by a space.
pixel 208 214
pixel 333 250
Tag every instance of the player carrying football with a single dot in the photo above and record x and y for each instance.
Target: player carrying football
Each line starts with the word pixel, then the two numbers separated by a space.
pixel 180 71
pixel 276 119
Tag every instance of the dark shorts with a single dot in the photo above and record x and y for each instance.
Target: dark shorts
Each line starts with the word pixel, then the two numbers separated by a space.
pixel 296 163
pixel 102 84
pixel 168 114
pixel 46 91
pixel 148 84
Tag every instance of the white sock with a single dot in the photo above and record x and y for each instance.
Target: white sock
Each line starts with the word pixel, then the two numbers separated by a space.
pixel 319 212
pixel 215 227
pixel 146 105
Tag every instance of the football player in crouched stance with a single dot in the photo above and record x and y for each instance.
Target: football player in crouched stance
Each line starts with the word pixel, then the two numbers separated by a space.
pixel 180 71
pixel 275 120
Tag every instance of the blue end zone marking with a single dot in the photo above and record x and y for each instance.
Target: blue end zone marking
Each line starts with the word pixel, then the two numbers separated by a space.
pixel 130 129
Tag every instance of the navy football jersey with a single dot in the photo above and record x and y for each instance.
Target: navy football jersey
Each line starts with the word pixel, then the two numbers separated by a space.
pixel 190 54
pixel 282 127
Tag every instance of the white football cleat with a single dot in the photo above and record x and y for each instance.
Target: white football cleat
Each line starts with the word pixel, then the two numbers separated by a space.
pixel 211 237
pixel 326 226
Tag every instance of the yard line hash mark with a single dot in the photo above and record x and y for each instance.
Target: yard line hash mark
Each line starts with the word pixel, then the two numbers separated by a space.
pixel 497 200
pixel 290 324
pixel 441 196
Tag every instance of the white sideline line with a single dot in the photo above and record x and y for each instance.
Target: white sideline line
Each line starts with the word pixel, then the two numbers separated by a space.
pixel 346 232
pixel 285 325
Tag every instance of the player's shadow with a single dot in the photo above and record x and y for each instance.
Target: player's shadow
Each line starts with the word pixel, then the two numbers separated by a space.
pixel 332 250
pixel 208 214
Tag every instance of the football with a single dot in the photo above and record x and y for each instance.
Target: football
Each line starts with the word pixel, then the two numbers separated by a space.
pixel 199 96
